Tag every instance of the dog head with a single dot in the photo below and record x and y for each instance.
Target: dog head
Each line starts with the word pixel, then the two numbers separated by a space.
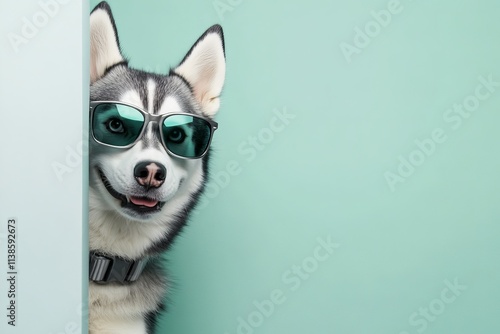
pixel 145 182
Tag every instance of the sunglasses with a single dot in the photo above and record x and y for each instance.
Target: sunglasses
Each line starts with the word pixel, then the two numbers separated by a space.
pixel 120 125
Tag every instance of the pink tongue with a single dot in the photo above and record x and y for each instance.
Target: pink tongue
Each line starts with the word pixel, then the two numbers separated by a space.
pixel 143 201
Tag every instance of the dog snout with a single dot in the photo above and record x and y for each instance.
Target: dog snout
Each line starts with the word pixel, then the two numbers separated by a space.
pixel 150 174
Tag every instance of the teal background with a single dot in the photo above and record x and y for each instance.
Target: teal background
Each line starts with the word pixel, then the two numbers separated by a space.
pixel 323 175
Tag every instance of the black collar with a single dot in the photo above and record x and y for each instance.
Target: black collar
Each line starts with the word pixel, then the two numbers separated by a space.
pixel 105 268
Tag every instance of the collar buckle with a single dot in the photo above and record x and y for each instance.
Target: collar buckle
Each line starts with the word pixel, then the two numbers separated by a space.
pixel 105 269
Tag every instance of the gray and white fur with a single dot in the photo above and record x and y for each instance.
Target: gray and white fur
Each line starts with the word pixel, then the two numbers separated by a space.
pixel 194 86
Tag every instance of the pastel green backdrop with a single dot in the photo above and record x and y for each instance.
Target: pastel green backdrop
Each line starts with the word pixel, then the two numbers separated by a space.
pixel 355 173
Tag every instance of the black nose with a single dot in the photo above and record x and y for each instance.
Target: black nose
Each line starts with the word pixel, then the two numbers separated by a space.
pixel 150 174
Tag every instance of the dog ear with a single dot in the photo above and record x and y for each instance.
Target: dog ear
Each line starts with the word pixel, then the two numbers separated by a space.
pixel 104 44
pixel 204 68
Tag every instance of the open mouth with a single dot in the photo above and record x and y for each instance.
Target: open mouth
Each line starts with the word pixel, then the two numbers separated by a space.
pixel 140 205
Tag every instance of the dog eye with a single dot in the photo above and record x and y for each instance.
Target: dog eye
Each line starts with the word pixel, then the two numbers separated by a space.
pixel 115 125
pixel 176 135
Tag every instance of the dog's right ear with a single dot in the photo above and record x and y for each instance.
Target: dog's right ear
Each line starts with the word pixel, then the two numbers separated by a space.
pixel 104 44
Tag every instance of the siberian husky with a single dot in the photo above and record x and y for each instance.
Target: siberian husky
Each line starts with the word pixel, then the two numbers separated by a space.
pixel 149 150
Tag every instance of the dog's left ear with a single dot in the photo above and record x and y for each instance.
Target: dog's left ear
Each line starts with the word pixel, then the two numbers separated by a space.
pixel 204 67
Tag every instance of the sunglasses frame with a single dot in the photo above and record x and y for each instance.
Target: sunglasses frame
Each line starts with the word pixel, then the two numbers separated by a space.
pixel 159 119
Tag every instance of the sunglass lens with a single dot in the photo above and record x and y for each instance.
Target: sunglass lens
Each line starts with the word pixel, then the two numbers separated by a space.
pixel 187 136
pixel 116 124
